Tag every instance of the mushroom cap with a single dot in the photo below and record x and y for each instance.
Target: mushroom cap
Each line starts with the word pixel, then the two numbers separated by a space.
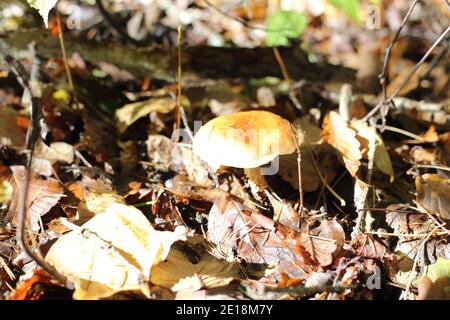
pixel 245 139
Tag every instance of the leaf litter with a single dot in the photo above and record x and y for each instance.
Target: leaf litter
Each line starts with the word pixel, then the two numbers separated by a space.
pixel 123 208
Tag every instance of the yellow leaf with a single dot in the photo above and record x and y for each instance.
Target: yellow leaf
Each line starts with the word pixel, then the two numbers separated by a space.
pixel 337 133
pixel 6 191
pixel 129 113
pixel 373 147
pixel 178 273
pixel 113 251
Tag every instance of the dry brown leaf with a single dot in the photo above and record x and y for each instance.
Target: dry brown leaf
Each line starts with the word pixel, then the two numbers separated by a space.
pixel 433 194
pixel 10 128
pixel 311 180
pixel 114 251
pixel 336 131
pixel 128 156
pixel 284 213
pixel 412 84
pixel 254 237
pixel 42 196
pixel 366 246
pixel 31 288
pixel 324 242
pixel 99 138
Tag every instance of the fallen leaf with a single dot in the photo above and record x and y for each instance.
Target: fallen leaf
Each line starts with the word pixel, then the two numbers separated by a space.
pixel 412 84
pixel 178 272
pixel 336 131
pixel 433 194
pixel 284 213
pixel 129 113
pixel 435 284
pixel 32 288
pixel 6 191
pixel 311 133
pixel 366 246
pixel 326 163
pixel 324 242
pixel 114 251
pixel 254 237
pixel 42 196
pixel 10 129
pixel 56 151
pixel 99 138
pixel 373 147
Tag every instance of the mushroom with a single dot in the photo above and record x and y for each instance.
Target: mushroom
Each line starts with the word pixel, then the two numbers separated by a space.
pixel 247 140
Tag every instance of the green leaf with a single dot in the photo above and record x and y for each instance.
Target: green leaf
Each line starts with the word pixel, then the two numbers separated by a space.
pixel 350 8
pixel 283 25
pixel 44 7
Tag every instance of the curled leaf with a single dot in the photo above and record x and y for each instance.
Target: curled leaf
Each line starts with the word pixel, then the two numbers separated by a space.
pixel 113 251
pixel 337 133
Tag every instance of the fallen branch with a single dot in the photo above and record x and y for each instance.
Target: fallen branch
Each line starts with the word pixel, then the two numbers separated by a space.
pixel 200 62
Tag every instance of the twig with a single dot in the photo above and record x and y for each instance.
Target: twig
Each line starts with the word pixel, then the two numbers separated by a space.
pixel 299 169
pixel 401 86
pixel 32 137
pixel 286 77
pixel 416 67
pixel 403 132
pixel 178 122
pixel 410 279
pixel 387 57
pixel 64 52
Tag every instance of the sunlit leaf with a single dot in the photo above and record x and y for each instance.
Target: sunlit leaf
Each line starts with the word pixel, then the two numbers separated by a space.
pixel 113 251
pixel 284 25
pixel 337 133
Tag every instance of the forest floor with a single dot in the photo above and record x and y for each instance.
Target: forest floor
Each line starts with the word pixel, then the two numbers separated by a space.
pixel 113 204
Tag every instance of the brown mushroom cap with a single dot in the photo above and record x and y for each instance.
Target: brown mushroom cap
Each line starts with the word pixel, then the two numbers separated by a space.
pixel 246 139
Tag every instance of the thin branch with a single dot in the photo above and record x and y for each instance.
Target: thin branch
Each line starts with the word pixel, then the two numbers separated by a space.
pixel 387 56
pixel 287 78
pixel 32 137
pixel 64 52
pixel 413 71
